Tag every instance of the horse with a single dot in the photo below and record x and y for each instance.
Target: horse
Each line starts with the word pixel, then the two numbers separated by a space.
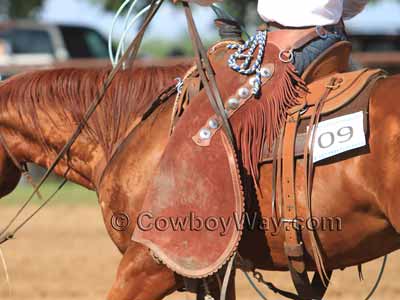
pixel 116 155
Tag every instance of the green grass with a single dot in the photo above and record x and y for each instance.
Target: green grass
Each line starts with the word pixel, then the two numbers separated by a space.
pixel 164 48
pixel 70 194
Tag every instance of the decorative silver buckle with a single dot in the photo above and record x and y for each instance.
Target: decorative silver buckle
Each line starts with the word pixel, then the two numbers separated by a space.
pixel 290 221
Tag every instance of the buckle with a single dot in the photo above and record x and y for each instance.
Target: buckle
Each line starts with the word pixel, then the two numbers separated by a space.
pixel 322 32
pixel 294 250
pixel 290 221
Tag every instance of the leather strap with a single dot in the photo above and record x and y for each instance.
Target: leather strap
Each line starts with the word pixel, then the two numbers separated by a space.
pixel 309 172
pixel 276 175
pixel 306 290
pixel 293 244
pixel 292 39
pixel 294 247
pixel 207 74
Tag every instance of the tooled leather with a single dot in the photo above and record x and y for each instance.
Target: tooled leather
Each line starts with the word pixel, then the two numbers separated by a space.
pixel 352 83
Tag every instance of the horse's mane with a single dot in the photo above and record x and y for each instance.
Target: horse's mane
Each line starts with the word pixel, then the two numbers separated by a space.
pixel 69 92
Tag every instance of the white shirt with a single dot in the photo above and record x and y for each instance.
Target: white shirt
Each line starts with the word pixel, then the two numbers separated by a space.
pixel 301 13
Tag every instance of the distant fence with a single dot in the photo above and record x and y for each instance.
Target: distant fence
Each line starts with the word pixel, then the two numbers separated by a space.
pixel 389 61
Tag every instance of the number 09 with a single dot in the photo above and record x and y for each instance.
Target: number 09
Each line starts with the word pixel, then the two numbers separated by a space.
pixel 345 134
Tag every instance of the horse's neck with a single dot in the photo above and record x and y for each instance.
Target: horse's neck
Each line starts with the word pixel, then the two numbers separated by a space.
pixel 83 164
pixel 39 112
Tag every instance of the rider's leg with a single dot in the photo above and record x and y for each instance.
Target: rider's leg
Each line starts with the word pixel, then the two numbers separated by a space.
pixel 140 277
pixel 305 56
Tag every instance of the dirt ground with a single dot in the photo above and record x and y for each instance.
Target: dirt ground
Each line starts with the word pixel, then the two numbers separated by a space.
pixel 65 253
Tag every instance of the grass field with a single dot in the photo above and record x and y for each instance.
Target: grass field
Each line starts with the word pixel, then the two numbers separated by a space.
pixel 65 253
pixel 70 194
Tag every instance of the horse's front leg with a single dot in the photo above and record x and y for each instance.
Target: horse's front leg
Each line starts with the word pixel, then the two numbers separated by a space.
pixel 139 277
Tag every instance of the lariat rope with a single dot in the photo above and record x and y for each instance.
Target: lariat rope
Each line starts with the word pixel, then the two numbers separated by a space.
pixel 246 51
pixel 129 23
pixel 129 55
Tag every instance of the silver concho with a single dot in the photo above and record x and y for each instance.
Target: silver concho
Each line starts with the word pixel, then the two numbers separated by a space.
pixel 266 72
pixel 244 92
pixel 213 123
pixel 233 103
pixel 205 134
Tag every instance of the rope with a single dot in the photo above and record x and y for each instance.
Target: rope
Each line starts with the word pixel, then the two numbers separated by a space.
pixel 219 11
pixel 110 34
pixel 5 268
pixel 246 51
pixel 11 235
pixel 127 27
pixel 121 49
pixel 126 23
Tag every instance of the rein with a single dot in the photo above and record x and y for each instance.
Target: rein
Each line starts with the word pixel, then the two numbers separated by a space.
pixel 207 74
pixel 129 56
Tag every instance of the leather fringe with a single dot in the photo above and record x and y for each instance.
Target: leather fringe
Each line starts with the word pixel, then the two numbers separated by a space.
pixel 260 121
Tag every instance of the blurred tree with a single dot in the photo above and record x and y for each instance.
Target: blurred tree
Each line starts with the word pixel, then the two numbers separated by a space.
pixel 238 8
pixel 20 8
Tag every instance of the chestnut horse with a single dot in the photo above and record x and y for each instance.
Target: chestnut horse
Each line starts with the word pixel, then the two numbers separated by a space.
pixel 40 110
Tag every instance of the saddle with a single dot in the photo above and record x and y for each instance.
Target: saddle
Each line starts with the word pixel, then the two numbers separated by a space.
pixel 350 95
pixel 200 174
